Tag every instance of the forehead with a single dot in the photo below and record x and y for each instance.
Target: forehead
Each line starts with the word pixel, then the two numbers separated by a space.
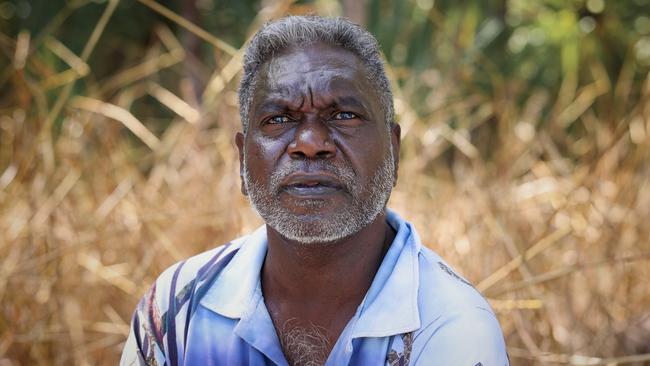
pixel 318 67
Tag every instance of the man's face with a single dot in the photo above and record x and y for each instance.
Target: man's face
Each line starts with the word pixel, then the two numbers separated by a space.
pixel 318 160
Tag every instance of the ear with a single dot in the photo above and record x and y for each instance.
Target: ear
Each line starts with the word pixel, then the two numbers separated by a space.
pixel 239 141
pixel 395 136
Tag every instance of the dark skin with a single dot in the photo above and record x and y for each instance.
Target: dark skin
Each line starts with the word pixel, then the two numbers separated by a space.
pixel 312 104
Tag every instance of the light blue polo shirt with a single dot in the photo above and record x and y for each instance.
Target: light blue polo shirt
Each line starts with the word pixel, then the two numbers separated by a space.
pixel 209 310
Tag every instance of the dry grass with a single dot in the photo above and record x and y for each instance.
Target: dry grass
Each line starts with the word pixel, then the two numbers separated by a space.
pixel 552 228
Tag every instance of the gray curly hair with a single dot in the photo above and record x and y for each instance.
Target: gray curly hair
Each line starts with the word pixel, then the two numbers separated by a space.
pixel 294 31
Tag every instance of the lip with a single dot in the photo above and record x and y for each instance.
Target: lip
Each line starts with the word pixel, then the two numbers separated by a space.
pixel 311 184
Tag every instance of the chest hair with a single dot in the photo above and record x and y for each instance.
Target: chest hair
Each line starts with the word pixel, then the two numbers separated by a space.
pixel 304 345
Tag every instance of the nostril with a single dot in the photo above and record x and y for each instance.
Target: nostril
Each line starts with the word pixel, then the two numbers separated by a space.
pixel 324 154
pixel 297 154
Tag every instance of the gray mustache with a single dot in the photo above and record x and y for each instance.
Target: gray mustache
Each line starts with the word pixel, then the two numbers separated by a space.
pixel 345 174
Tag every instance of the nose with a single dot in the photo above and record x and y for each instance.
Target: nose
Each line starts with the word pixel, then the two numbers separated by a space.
pixel 312 141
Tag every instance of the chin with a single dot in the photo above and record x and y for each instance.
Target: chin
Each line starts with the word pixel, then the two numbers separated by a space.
pixel 310 235
pixel 310 223
pixel 320 226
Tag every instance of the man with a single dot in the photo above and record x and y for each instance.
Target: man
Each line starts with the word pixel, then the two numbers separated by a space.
pixel 333 277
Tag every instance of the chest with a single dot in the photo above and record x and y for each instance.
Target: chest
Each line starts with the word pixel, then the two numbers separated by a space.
pixel 213 340
pixel 308 333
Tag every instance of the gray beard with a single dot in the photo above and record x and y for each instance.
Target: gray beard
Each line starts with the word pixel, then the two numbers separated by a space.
pixel 309 229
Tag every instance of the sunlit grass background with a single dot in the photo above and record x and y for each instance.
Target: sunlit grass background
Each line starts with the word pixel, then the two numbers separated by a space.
pixel 525 160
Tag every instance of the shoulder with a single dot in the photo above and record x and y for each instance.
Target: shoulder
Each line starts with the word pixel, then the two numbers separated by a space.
pixel 180 277
pixel 442 289
pixel 158 323
pixel 157 326
pixel 457 323
pixel 469 336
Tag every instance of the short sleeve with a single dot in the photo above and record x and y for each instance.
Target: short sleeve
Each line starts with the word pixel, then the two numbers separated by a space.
pixel 144 346
pixel 159 323
pixel 468 338
pixel 132 354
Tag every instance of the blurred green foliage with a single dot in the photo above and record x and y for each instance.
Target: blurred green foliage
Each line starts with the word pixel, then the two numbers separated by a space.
pixel 503 48
pixel 536 42
pixel 131 25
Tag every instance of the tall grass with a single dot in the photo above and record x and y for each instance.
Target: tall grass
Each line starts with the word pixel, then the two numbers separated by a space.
pixel 104 182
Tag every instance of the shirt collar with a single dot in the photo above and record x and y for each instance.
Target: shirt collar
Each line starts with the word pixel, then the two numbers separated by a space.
pixel 391 304
pixel 389 307
pixel 235 286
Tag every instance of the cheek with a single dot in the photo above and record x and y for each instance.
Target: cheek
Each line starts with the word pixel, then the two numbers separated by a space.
pixel 365 152
pixel 263 154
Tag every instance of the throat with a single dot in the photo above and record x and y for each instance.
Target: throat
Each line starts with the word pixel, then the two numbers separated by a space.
pixel 312 292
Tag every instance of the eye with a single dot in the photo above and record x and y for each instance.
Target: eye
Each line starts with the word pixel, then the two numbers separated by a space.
pixel 344 116
pixel 278 120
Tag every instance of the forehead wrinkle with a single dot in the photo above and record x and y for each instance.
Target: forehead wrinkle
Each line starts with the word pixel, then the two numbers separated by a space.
pixel 327 79
pixel 335 90
pixel 272 97
pixel 311 58
pixel 329 63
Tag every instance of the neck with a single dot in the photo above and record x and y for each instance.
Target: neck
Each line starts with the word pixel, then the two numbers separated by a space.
pixel 333 273
pixel 312 286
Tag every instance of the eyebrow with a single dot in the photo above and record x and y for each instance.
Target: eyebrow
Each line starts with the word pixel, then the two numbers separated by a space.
pixel 351 102
pixel 272 106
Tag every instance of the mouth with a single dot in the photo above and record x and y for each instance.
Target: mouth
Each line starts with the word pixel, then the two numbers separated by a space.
pixel 311 185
